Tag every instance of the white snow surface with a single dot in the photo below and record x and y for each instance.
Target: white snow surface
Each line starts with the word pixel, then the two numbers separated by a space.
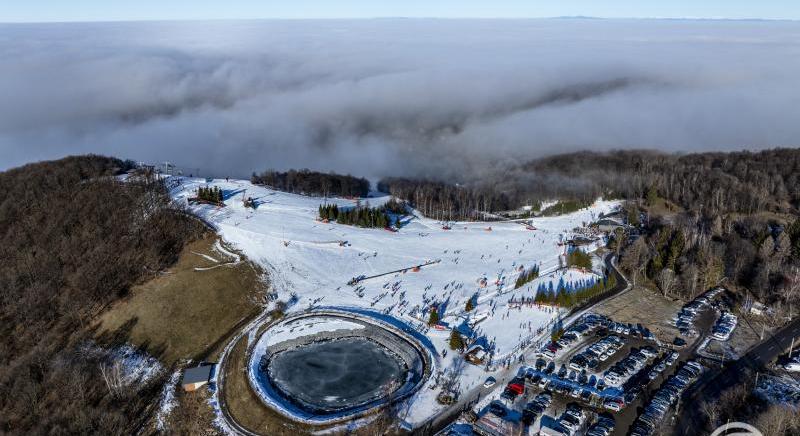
pixel 314 261
pixel 303 327
pixel 135 366
pixel 167 401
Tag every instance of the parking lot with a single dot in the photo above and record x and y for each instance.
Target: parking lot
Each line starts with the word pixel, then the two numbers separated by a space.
pixel 597 379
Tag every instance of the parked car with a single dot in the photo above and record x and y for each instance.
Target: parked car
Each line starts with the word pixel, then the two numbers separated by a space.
pixel 508 394
pixel 528 416
pixel 793 365
pixel 648 351
pixel 496 408
pixel 569 422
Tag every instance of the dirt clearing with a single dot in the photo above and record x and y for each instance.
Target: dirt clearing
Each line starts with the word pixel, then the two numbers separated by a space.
pixel 187 310
pixel 643 306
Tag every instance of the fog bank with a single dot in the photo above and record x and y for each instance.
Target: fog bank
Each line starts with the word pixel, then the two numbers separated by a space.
pixel 393 97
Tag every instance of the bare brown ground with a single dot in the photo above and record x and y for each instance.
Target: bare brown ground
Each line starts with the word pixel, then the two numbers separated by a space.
pixel 646 307
pixel 185 313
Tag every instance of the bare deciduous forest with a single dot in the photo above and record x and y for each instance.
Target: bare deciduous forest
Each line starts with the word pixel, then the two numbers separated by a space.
pixel 709 216
pixel 73 239
pixel 313 183
pixel 710 183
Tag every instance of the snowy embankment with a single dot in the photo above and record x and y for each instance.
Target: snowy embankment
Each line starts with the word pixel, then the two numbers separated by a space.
pixel 167 401
pixel 125 365
pixel 310 264
pixel 302 327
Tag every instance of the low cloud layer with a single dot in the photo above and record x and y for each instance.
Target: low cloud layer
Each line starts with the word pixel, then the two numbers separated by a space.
pixel 393 97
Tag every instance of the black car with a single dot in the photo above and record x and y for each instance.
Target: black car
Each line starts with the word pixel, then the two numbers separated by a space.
pixel 528 417
pixel 535 407
pixel 678 342
pixel 508 394
pixel 498 409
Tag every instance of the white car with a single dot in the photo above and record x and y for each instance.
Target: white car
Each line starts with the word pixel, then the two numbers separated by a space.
pixel 793 365
pixel 489 382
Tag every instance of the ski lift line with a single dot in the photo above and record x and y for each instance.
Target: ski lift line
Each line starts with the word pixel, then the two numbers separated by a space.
pixel 359 279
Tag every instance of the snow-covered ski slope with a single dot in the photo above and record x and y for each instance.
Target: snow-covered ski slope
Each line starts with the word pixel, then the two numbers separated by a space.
pixel 312 260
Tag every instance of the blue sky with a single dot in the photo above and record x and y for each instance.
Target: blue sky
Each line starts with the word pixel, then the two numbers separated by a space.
pixel 108 10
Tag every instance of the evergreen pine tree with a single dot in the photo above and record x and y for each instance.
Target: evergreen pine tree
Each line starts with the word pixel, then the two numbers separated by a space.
pixel 433 318
pixel 456 342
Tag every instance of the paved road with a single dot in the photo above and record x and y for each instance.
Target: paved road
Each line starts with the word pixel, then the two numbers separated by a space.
pixel 691 421
pixel 467 399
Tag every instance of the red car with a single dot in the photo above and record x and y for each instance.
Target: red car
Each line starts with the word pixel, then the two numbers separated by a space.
pixel 517 388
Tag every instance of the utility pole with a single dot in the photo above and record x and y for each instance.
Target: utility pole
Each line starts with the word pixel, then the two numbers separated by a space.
pixel 791 347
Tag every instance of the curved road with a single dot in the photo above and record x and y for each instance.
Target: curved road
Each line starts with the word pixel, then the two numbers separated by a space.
pixel 691 420
pixel 468 399
pixel 442 419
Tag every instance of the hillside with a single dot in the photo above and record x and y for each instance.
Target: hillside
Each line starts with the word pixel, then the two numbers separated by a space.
pixel 711 183
pixel 74 239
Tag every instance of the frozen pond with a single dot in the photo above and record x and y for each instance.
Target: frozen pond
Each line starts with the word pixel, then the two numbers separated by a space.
pixel 337 374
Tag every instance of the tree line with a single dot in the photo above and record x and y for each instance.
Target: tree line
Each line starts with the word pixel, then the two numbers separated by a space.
pixel 526 276
pixel 579 259
pixel 568 295
pixel 757 256
pixel 213 195
pixel 356 216
pixel 363 216
pixel 313 183
pixel 715 183
pixel 444 201
pixel 74 239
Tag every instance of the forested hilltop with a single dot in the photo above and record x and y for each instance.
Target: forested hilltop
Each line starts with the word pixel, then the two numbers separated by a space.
pixel 704 218
pixel 313 183
pixel 73 239
pixel 711 183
